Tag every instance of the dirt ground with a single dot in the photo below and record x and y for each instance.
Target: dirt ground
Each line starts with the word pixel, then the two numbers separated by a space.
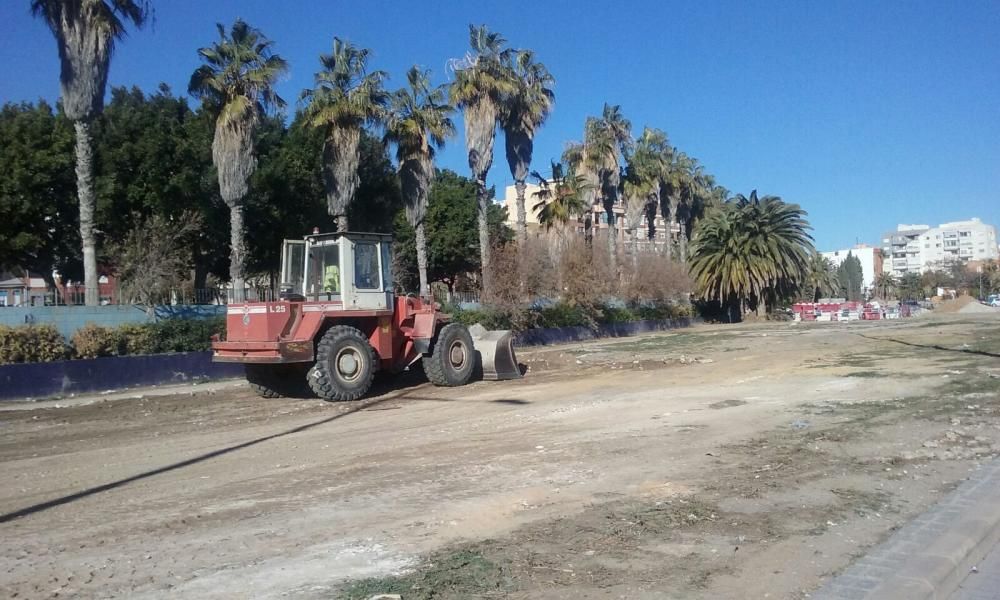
pixel 750 461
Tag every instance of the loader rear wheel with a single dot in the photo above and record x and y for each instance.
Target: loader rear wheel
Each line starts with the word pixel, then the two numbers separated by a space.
pixel 345 365
pixel 278 381
pixel 453 359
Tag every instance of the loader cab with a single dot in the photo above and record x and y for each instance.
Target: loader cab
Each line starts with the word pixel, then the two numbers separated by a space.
pixel 347 268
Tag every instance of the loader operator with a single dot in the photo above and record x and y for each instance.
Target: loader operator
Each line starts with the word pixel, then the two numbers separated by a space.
pixel 331 277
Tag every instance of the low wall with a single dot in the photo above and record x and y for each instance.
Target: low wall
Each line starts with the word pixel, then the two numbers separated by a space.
pixel 189 311
pixel 61 378
pixel 559 335
pixel 67 319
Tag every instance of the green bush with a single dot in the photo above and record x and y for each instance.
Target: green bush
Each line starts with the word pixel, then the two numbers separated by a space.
pixel 136 338
pixel 94 341
pixel 615 314
pixel 661 312
pixel 43 343
pixel 563 315
pixel 490 318
pixel 31 343
pixel 186 335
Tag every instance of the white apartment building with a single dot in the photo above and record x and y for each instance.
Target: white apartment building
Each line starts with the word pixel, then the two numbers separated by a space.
pixel 920 248
pixel 869 257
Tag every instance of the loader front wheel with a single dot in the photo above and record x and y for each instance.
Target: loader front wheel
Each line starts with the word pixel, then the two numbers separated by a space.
pixel 345 365
pixel 453 358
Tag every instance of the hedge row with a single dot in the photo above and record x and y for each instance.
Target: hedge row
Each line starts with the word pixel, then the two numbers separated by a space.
pixel 565 315
pixel 42 343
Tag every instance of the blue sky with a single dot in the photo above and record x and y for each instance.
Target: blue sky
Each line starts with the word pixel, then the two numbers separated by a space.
pixel 867 114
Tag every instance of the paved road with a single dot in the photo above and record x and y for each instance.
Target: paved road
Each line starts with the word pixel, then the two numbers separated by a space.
pixel 984 583
pixel 934 554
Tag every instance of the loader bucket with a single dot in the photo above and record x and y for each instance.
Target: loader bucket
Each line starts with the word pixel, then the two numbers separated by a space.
pixel 495 350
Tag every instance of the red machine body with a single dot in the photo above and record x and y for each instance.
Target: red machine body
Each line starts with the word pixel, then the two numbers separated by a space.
pixel 339 320
pixel 285 331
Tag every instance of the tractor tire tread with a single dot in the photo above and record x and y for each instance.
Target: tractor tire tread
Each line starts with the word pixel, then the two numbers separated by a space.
pixel 322 382
pixel 263 391
pixel 277 381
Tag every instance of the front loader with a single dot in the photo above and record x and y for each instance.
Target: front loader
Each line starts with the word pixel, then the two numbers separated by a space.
pixel 337 322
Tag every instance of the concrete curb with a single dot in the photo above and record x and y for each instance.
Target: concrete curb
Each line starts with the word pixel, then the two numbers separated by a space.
pixel 931 555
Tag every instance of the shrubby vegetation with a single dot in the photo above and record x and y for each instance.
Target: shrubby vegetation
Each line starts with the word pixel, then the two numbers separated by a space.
pixel 42 343
pixel 570 284
pixel 31 343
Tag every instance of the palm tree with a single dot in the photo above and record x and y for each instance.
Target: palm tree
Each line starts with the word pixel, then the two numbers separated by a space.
pixel 86 32
pixel 561 198
pixel 483 81
pixel 676 186
pixel 612 139
pixel 751 251
pixel 344 98
pixel 820 277
pixel 521 115
pixel 693 193
pixel 885 285
pixel 580 162
pixel 644 175
pixel 418 122
pixel 236 83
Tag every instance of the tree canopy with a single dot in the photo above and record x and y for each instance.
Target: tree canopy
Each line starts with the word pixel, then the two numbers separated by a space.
pixel 850 279
pixel 751 251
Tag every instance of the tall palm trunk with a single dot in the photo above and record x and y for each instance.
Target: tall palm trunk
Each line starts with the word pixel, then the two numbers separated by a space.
pixel 422 260
pixel 670 220
pixel 482 213
pixel 609 208
pixel 341 158
pixel 519 146
pixel 234 159
pixel 480 133
pixel 85 193
pixel 238 251
pixel 683 238
pixel 633 245
pixel 522 214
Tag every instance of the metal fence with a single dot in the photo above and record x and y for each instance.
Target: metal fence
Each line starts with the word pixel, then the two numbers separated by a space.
pixel 77 296
pixel 449 297
pixel 108 295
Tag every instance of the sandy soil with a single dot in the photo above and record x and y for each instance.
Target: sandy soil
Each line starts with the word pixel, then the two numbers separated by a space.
pixel 719 462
